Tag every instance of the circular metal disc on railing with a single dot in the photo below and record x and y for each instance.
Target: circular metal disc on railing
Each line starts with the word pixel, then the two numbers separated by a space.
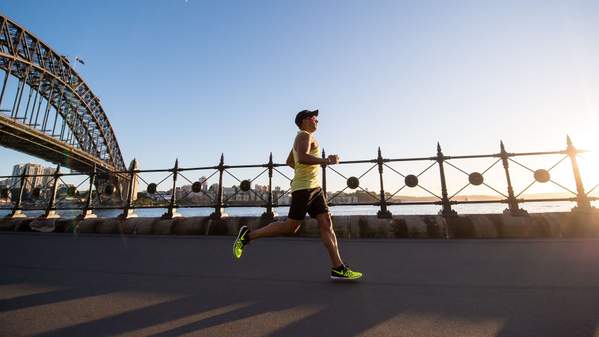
pixel 476 178
pixel 109 189
pixel 353 182
pixel 4 193
pixel 71 190
pixel 411 180
pixel 36 193
pixel 542 175
pixel 152 188
pixel 245 185
pixel 196 187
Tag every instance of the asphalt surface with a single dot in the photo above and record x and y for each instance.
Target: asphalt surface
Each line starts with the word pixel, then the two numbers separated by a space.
pixel 94 285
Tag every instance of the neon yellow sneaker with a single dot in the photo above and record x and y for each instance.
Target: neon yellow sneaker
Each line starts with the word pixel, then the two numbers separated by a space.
pixel 240 242
pixel 344 273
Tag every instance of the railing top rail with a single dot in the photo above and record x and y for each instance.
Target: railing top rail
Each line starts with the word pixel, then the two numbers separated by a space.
pixel 363 161
pixel 410 159
pixel 358 161
pixel 541 153
pixel 245 166
pixel 472 156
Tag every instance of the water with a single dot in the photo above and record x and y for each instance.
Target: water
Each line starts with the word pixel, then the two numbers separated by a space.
pixel 496 208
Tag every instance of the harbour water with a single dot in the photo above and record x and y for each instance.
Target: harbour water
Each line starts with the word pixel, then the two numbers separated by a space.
pixel 492 208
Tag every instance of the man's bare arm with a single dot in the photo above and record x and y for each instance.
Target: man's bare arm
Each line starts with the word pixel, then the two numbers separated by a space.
pixel 302 148
pixel 290 161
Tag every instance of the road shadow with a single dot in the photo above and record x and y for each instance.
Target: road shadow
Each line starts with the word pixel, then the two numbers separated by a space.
pixel 361 309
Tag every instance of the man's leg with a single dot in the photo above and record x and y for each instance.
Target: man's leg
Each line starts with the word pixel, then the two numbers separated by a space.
pixel 277 228
pixel 339 271
pixel 297 210
pixel 328 237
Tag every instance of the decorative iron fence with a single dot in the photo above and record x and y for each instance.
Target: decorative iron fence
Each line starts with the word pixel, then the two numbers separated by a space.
pixel 25 192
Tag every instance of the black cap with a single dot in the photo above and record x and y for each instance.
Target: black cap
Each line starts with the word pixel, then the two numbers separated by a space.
pixel 304 114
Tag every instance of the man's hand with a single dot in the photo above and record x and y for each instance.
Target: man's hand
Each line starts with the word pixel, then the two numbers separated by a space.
pixel 332 159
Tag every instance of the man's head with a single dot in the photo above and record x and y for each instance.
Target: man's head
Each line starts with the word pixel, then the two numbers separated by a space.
pixel 307 120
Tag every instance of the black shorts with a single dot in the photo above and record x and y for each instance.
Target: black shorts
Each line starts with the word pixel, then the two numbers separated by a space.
pixel 313 201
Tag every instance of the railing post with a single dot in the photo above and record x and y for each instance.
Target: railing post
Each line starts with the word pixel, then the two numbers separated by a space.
pixel 51 210
pixel 512 202
pixel 446 211
pixel 324 175
pixel 269 214
pixel 383 212
pixel 218 208
pixel 17 211
pixel 172 207
pixel 582 201
pixel 87 210
pixel 128 210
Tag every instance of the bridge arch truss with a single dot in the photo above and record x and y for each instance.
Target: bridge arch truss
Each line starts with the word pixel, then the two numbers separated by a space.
pixel 50 99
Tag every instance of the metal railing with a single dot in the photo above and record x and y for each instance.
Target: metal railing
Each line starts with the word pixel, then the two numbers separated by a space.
pixel 48 199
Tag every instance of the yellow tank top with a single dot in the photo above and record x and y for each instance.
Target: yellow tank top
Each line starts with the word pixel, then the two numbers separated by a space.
pixel 305 176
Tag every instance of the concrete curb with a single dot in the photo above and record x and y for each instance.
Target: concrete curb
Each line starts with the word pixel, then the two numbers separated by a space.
pixel 483 226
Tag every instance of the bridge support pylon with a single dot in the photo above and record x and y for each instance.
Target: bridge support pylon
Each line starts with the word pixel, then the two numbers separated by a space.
pixel 130 190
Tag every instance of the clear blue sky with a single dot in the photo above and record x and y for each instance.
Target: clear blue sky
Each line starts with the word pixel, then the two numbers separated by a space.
pixel 191 79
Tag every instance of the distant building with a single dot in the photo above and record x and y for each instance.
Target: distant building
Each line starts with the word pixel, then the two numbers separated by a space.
pixel 48 171
pixel 204 182
pixel 258 194
pixel 279 196
pixel 36 170
pixel 185 193
pixel 17 170
pixel 342 198
pixel 159 196
pixel 230 191
pixel 261 189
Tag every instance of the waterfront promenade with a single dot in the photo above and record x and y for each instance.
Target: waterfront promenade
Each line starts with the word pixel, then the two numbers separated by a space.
pixel 103 285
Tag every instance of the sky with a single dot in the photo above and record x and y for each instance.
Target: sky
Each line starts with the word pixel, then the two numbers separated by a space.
pixel 192 79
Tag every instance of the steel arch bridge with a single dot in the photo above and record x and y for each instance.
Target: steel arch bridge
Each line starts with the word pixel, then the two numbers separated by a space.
pixel 47 109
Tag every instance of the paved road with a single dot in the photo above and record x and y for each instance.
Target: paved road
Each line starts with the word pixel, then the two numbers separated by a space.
pixel 62 285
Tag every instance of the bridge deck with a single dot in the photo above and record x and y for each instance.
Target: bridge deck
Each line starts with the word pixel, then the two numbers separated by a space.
pixel 61 285
pixel 41 145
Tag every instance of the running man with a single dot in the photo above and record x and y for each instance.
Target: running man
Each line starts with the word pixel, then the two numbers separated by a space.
pixel 306 197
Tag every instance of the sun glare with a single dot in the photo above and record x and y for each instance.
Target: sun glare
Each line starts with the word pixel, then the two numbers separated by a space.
pixel 588 162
